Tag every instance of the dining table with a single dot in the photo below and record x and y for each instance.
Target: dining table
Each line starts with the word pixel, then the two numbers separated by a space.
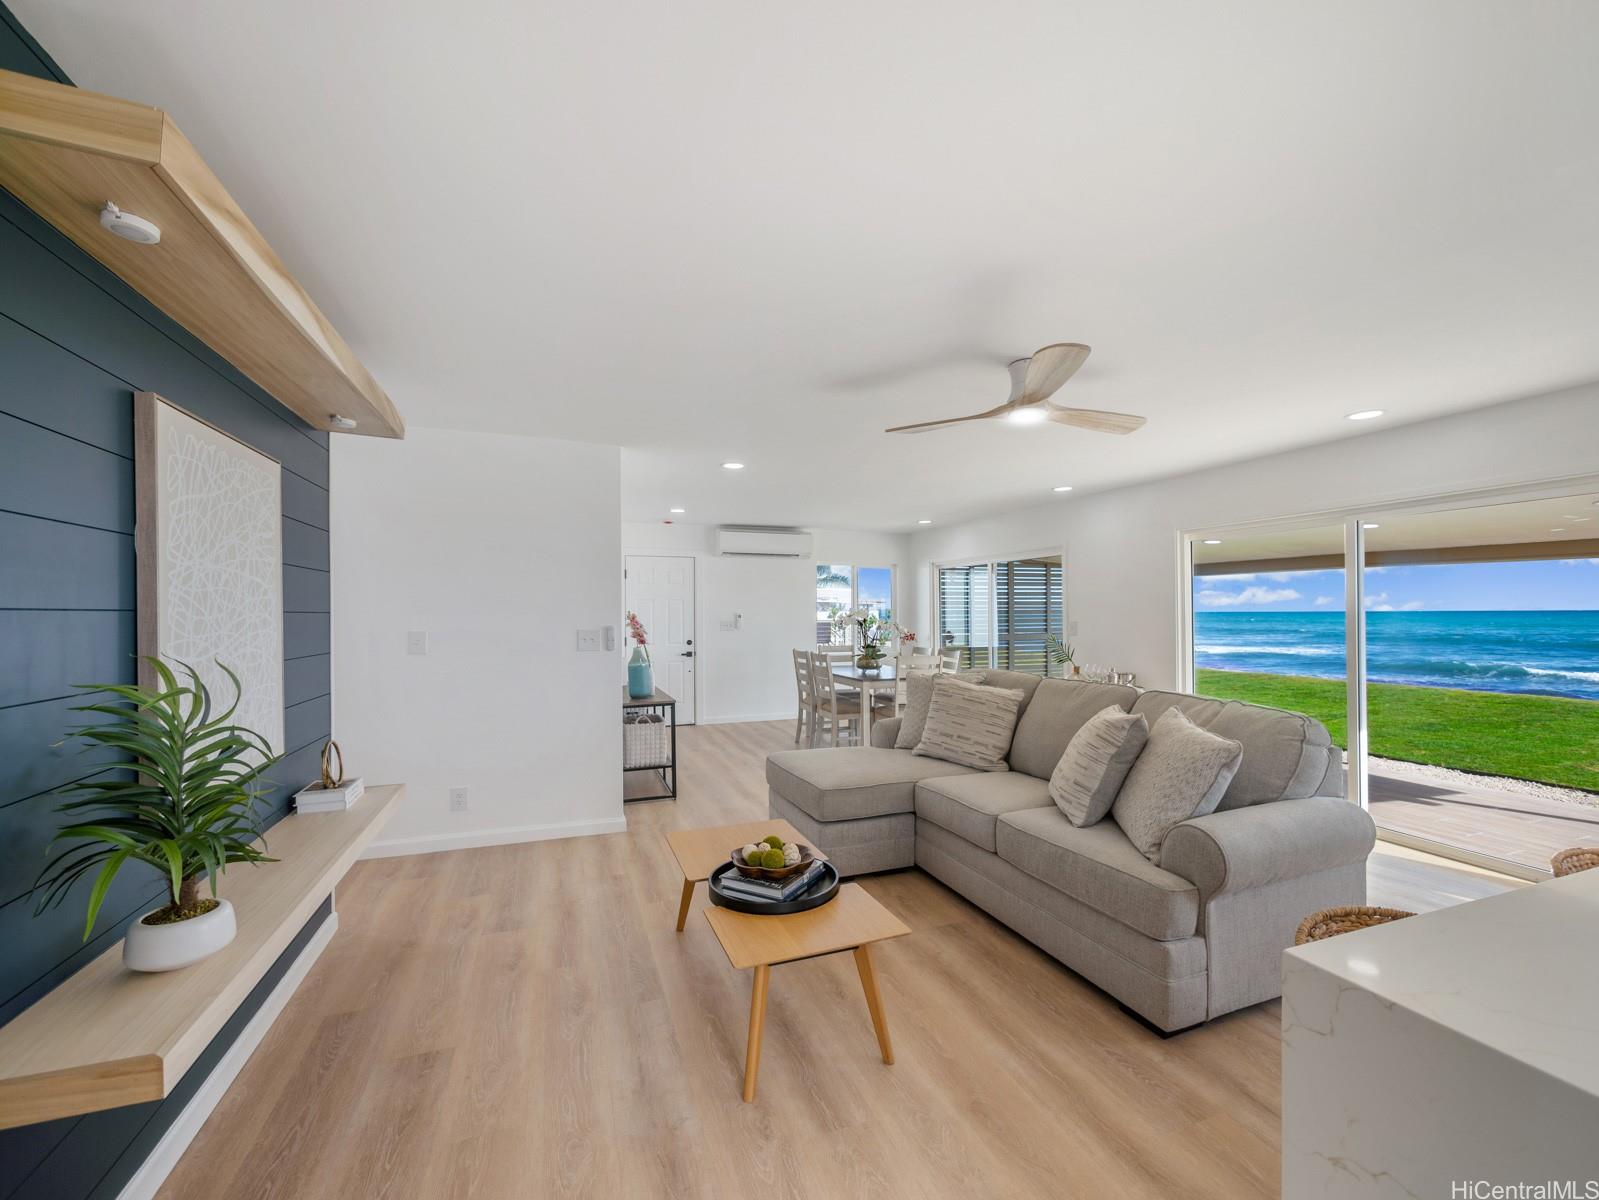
pixel 870 681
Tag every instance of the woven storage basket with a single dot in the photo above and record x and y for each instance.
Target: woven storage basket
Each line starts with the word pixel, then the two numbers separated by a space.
pixel 645 741
pixel 1578 858
pixel 1330 922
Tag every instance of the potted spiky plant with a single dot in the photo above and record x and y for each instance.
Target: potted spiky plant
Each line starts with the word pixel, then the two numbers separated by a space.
pixel 189 811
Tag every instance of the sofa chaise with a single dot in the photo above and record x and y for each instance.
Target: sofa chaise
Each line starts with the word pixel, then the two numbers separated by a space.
pixel 1198 935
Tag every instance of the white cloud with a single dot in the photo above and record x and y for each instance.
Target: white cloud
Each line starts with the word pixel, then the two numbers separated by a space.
pixel 1412 605
pixel 1579 562
pixel 1322 601
pixel 1379 603
pixel 1250 595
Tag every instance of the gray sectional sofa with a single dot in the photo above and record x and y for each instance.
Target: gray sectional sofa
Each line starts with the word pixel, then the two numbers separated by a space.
pixel 1199 935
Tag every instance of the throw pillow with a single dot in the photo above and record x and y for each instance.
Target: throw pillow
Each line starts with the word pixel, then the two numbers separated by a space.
pixel 969 724
pixel 1181 773
pixel 918 695
pixel 1097 759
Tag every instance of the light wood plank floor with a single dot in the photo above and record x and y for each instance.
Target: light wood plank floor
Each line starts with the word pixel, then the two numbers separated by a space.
pixel 523 1021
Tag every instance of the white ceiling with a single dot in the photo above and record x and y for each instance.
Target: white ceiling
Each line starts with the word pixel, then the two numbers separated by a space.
pixel 715 230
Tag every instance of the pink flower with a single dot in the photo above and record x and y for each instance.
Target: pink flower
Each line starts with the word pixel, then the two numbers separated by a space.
pixel 635 629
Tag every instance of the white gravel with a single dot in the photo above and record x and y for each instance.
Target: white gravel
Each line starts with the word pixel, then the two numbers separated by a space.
pixel 1516 787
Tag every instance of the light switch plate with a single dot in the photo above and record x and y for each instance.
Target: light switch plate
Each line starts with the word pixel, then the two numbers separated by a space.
pixel 588 639
pixel 416 642
pixel 1071 629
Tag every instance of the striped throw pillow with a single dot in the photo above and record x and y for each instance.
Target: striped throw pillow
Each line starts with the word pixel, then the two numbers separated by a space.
pixel 1097 759
pixel 970 725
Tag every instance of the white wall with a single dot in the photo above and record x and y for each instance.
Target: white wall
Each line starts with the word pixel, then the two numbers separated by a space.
pixel 747 674
pixel 1121 546
pixel 500 548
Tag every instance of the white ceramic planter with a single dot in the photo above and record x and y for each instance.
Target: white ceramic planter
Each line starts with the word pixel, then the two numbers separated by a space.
pixel 168 947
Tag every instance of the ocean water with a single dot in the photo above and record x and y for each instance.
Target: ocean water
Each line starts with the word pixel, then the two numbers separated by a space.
pixel 1542 653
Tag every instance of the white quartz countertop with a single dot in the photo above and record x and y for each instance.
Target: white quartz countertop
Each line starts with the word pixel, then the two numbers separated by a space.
pixel 1517 972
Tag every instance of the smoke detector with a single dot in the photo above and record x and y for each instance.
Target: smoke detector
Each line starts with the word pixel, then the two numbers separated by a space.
pixel 341 422
pixel 128 226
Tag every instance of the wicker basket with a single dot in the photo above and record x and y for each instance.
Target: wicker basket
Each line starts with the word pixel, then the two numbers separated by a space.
pixel 1577 858
pixel 646 742
pixel 1330 922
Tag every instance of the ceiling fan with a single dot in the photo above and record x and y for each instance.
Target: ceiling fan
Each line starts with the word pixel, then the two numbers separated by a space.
pixel 1032 382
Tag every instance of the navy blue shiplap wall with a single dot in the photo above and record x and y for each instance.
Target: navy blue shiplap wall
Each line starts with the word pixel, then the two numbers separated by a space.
pixel 75 344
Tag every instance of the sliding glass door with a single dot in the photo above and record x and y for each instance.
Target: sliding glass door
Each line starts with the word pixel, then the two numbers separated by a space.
pixel 1458 664
pixel 1003 613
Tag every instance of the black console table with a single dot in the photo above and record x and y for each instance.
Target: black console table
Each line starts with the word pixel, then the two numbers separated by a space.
pixel 649 740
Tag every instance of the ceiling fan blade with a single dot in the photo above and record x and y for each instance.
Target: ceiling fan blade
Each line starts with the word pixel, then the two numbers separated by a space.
pixel 1099 422
pixel 924 426
pixel 1049 368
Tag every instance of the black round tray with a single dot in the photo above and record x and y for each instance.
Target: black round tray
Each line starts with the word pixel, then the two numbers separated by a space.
pixel 823 888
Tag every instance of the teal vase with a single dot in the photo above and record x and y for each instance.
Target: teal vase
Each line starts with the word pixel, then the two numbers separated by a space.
pixel 640 678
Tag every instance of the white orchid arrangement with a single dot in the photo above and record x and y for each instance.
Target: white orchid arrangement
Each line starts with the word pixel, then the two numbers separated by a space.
pixel 875 632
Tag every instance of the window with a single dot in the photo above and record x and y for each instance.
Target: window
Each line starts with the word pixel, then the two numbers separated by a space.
pixel 1003 614
pixel 840 588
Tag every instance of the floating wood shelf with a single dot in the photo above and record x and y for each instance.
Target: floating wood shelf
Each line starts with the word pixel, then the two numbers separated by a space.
pixel 64 152
pixel 109 1036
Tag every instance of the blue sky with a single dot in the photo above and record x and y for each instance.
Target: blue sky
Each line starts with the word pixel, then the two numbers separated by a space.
pixel 1556 584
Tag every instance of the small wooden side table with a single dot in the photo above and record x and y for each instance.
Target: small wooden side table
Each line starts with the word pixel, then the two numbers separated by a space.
pixel 852 920
pixel 701 851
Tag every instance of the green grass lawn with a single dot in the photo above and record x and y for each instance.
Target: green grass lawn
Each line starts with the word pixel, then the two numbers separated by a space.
pixel 1544 738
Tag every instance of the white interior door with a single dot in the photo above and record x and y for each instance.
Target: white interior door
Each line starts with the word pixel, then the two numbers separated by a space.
pixel 660 589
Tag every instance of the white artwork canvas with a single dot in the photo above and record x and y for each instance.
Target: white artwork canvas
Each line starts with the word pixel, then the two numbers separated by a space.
pixel 210 550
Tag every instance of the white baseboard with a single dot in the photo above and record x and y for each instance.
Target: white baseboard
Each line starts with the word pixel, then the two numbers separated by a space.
pixel 782 716
pixel 432 843
pixel 152 1173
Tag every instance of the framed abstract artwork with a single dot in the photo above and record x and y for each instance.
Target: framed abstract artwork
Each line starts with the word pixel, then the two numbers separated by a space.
pixel 209 544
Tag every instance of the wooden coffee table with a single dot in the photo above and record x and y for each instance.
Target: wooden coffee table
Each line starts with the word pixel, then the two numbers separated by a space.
pixel 701 851
pixel 852 920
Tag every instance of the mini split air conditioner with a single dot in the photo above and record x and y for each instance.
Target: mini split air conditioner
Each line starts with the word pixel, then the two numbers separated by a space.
pixel 759 542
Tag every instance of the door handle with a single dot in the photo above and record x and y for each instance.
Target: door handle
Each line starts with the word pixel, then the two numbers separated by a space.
pixel 686 654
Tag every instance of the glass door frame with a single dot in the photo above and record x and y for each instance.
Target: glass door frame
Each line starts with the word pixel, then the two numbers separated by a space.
pixel 1354 520
pixel 990 561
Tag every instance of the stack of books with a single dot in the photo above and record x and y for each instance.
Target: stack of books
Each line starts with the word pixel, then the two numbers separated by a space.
pixel 772 891
pixel 321 799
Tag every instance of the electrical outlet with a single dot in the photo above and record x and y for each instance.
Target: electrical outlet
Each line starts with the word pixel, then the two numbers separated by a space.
pixel 1071 629
pixel 416 642
pixel 458 799
pixel 588 639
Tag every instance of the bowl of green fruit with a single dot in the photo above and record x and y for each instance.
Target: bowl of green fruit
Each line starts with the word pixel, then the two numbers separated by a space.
pixel 772 858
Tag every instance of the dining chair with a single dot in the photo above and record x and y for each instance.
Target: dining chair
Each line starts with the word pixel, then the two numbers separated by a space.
pixel 906 666
pixel 950 660
pixel 839 655
pixel 805 721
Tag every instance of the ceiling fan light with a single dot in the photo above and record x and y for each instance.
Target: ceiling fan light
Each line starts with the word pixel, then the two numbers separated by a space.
pixel 1027 416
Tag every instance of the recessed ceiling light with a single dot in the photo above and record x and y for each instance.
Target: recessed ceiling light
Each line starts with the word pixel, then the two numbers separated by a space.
pixel 1370 525
pixel 1065 487
pixel 732 466
pixel 1026 416
pixel 1559 529
pixel 1365 414
pixel 924 521
pixel 1212 541
pixel 677 510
